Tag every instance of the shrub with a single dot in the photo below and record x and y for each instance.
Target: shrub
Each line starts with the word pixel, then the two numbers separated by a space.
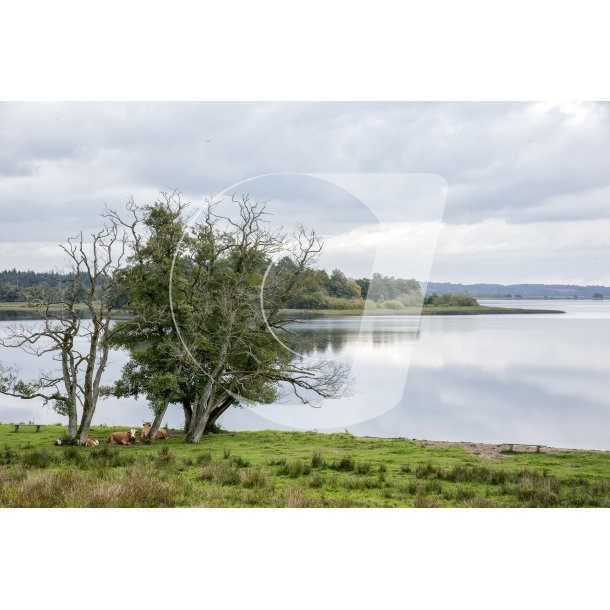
pixel 346 463
pixel 392 304
pixel 8 456
pixel 255 478
pixel 37 458
pixel 222 473
pixel 76 456
pixel 451 299
pixel 239 462
pixel 339 303
pixel 361 483
pixel 427 471
pixel 104 456
pixel 363 468
pixel 205 457
pixel 165 457
pixel 424 502
pixel 316 460
pixel 433 486
pixel 294 469
pixel 278 462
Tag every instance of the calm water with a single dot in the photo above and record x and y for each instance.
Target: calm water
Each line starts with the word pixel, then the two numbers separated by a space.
pixel 507 378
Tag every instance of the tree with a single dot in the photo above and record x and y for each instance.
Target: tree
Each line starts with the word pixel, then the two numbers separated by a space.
pixel 364 284
pixel 75 329
pixel 221 348
pixel 157 368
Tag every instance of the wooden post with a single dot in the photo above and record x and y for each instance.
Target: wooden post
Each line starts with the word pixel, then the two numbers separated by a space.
pixel 537 448
pixel 38 428
pixel 510 448
pixel 16 427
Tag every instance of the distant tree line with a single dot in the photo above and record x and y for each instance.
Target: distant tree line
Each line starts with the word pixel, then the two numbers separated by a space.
pixel 318 289
pixel 521 291
pixel 23 285
pixel 321 290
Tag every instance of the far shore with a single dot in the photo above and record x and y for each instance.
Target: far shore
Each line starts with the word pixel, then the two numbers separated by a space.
pixel 416 311
pixel 22 311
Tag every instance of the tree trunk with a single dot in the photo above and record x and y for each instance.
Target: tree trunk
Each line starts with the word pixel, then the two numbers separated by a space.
pixel 217 412
pixel 200 417
pixel 157 421
pixel 72 420
pixel 85 423
pixel 188 414
pixel 198 426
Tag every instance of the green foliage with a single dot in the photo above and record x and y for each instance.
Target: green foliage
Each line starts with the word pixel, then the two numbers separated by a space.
pixel 450 299
pixel 391 305
pixel 294 469
pixel 346 463
pixel 387 288
pixel 317 460
pixel 317 290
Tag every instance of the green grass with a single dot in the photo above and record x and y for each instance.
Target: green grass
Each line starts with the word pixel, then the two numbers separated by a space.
pixel 288 469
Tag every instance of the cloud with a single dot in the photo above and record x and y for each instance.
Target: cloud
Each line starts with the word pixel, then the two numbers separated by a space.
pixel 514 163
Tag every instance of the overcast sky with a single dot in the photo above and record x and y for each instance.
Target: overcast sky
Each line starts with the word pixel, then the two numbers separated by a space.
pixel 511 192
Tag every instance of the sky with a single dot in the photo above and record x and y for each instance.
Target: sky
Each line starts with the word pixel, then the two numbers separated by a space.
pixel 463 192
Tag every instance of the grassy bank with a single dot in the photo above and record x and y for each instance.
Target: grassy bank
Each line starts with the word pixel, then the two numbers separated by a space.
pixel 16 311
pixel 412 311
pixel 287 469
pixel 21 311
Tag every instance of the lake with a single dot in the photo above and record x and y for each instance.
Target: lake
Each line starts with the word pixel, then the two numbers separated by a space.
pixel 542 378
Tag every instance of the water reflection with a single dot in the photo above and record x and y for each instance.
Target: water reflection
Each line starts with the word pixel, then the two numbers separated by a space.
pixel 333 336
pixel 508 378
pixel 9 315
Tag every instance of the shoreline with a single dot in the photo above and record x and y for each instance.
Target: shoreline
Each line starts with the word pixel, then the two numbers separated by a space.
pixel 502 450
pixel 18 312
pixel 416 311
pixel 481 449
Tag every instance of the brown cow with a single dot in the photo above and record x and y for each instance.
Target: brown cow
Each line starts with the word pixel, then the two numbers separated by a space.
pixel 122 438
pixel 146 429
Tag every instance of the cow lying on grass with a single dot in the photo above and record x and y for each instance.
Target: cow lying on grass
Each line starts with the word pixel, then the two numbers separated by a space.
pixel 146 429
pixel 90 442
pixel 122 438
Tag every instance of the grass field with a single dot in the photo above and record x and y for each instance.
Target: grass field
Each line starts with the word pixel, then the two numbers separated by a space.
pixel 288 469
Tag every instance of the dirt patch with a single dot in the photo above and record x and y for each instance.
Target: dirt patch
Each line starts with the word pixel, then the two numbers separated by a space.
pixel 502 450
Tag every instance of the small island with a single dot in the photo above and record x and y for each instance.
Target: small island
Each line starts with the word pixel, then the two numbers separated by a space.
pixel 446 304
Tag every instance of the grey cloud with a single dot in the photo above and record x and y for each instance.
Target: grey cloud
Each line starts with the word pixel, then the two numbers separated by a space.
pixel 522 162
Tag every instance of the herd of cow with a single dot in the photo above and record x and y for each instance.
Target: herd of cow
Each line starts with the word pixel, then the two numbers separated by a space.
pixel 123 438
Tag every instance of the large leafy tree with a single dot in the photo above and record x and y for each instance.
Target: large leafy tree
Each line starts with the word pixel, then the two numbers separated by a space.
pixel 203 333
pixel 158 367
